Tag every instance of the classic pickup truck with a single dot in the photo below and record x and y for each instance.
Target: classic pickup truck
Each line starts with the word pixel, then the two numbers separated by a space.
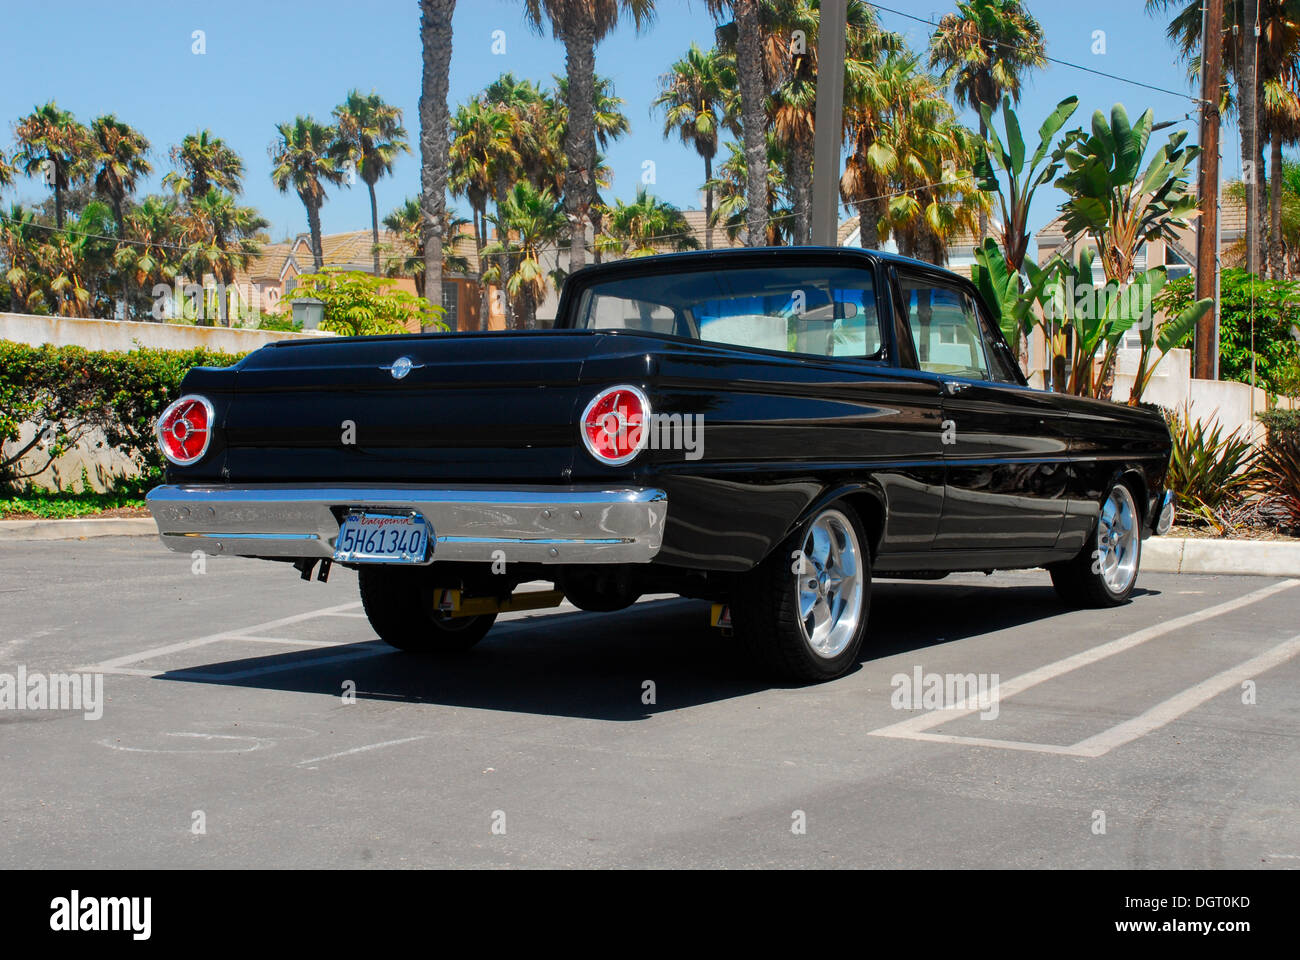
pixel 768 429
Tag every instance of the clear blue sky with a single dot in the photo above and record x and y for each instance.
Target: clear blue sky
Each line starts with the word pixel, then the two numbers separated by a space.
pixel 269 60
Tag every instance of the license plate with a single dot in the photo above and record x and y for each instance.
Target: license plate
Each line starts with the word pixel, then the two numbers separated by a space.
pixel 366 537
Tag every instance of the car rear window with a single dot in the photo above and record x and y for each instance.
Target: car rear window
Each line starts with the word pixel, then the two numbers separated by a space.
pixel 821 311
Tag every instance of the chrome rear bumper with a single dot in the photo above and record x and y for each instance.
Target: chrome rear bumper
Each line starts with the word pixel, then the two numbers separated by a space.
pixel 531 524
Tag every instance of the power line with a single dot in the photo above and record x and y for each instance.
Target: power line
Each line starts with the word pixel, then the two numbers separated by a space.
pixel 1055 60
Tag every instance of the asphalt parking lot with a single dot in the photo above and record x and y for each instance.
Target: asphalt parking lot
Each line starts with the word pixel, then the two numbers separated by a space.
pixel 1165 733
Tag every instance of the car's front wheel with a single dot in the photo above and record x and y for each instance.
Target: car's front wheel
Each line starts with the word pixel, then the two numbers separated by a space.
pixel 400 604
pixel 803 611
pixel 1105 571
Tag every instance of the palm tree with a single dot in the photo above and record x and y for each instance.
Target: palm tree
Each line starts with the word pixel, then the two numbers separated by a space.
pixel 933 197
pixel 75 259
pixel 482 140
pixel 51 135
pixel 371 136
pixel 692 96
pixel 526 221
pixel 6 171
pixel 776 218
pixel 752 84
pixel 407 223
pixel 610 124
pixel 648 226
pixel 302 160
pixel 1281 123
pixel 221 238
pixel 20 241
pixel 435 45
pixel 149 256
pixel 204 161
pixel 1254 69
pixel 984 50
pixel 581 25
pixel 116 158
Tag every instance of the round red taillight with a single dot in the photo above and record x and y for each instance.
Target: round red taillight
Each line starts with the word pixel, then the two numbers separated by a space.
pixel 184 429
pixel 613 425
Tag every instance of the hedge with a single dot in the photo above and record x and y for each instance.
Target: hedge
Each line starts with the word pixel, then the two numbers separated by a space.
pixel 68 392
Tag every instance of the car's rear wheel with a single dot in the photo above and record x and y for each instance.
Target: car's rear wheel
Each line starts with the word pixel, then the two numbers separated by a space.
pixel 803 611
pixel 400 604
pixel 1105 571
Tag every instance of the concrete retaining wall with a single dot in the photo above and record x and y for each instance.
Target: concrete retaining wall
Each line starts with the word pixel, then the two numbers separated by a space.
pixel 131 334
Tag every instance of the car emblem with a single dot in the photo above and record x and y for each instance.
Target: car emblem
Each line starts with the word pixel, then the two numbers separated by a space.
pixel 401 367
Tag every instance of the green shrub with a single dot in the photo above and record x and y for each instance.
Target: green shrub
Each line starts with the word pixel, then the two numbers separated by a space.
pixel 1209 472
pixel 1281 422
pixel 69 392
pixel 1275 305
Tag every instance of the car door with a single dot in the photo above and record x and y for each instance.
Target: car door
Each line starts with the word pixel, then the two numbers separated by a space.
pixel 1006 448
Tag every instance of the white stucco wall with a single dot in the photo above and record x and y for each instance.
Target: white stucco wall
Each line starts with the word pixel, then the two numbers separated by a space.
pixel 130 334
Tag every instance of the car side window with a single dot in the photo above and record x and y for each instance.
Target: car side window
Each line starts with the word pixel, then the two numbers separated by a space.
pixel 945 327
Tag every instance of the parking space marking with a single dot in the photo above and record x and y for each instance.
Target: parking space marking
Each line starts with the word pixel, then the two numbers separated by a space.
pixel 1188 700
pixel 122 665
pixel 348 753
pixel 915 728
pixel 290 641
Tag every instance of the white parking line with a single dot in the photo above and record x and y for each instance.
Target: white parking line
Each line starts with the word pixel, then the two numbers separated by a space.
pixel 914 728
pixel 117 664
pixel 348 753
pixel 1188 700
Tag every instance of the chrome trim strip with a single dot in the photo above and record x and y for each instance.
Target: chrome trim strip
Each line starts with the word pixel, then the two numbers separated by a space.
pixel 528 523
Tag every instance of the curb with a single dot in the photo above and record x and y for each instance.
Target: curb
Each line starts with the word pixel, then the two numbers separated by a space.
pixel 77 529
pixel 1260 558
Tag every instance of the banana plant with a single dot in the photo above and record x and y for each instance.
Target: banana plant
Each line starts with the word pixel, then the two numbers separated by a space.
pixel 1171 335
pixel 1116 202
pixel 993 162
pixel 1008 293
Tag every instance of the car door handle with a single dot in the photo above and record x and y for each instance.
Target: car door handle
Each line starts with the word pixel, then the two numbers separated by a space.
pixel 955 386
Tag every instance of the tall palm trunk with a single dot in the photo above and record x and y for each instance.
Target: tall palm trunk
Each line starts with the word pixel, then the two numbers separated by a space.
pixel 870 213
pixel 480 239
pixel 503 258
pixel 374 226
pixel 313 225
pixel 801 181
pixel 580 137
pixel 58 194
pixel 435 39
pixel 708 203
pixel 1275 205
pixel 753 118
pixel 983 216
pixel 1248 103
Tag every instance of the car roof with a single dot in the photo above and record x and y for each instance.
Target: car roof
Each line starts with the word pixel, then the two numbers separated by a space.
pixel 677 260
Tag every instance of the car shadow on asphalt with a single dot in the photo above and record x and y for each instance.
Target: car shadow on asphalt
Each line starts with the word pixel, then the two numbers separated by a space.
pixel 597 666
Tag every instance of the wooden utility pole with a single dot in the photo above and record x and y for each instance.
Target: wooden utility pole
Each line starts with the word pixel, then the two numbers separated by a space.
pixel 1207 247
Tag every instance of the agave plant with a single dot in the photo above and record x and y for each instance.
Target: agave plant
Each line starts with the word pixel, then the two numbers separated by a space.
pixel 1209 471
pixel 1280 467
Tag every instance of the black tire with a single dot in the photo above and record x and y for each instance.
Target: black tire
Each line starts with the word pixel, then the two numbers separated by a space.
pixel 765 610
pixel 399 602
pixel 1090 579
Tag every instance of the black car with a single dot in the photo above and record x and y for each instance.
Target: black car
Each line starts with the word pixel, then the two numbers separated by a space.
pixel 769 429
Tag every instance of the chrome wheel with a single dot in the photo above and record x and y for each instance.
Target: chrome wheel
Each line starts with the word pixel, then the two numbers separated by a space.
pixel 829 584
pixel 1118 540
